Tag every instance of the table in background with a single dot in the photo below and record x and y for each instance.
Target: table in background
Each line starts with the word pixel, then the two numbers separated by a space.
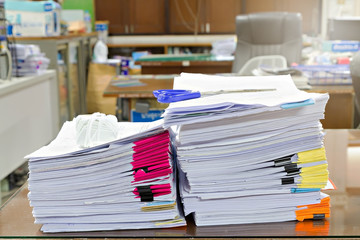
pixel 134 88
pixel 176 64
pixel 339 111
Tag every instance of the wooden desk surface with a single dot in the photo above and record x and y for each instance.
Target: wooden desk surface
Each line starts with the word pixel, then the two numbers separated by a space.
pixel 335 89
pixel 184 63
pixel 158 81
pixel 339 112
pixel 184 60
pixel 141 86
pixel 16 221
pixel 176 64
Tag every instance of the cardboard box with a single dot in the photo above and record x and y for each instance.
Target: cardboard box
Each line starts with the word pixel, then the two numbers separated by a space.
pixel 33 18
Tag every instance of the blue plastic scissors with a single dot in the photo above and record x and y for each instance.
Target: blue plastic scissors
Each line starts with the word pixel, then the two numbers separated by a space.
pixel 177 95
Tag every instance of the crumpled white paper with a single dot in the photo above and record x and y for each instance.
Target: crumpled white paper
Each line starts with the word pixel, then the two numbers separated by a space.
pixel 95 129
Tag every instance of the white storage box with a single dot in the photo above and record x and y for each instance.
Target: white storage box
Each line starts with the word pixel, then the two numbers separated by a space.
pixel 33 18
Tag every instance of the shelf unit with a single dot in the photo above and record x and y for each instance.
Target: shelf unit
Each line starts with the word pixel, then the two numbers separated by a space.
pixel 30 118
pixel 69 56
pixel 165 42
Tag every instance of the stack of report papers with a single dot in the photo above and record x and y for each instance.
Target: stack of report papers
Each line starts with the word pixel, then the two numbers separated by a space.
pixel 27 59
pixel 249 157
pixel 128 183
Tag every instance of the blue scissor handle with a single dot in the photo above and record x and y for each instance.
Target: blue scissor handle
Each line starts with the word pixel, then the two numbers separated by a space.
pixel 168 91
pixel 170 95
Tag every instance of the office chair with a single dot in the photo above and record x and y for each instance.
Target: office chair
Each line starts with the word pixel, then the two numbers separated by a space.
pixel 271 61
pixel 268 33
pixel 355 76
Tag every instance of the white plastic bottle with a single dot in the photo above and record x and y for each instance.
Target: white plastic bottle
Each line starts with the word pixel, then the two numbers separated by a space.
pixel 100 52
pixel 87 19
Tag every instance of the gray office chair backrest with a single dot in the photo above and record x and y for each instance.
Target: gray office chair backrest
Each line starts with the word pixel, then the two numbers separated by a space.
pixel 355 77
pixel 268 33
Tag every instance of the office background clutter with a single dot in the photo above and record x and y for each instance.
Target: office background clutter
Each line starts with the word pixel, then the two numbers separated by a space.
pixel 97 54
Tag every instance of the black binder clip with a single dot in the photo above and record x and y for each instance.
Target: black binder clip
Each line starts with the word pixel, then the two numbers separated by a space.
pixel 292 169
pixel 146 195
pixel 145 169
pixel 318 216
pixel 289 180
pixel 279 162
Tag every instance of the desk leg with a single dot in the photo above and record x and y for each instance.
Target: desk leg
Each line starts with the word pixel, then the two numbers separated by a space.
pixel 356 115
pixel 122 109
pixel 119 111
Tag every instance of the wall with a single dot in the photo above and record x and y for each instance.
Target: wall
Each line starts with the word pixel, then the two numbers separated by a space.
pixel 337 8
pixel 81 4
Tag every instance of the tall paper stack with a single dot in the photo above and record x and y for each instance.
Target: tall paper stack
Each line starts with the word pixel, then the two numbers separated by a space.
pixel 250 157
pixel 128 183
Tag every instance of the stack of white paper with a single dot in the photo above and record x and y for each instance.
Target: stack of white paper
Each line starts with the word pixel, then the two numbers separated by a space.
pixel 128 183
pixel 249 157
pixel 27 59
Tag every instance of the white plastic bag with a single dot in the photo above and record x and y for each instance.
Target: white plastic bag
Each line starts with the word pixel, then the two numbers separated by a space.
pixel 95 129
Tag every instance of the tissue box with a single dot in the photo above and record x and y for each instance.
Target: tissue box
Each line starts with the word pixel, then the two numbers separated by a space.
pixel 33 18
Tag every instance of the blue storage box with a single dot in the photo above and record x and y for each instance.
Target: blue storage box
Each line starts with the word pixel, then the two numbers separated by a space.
pixel 150 116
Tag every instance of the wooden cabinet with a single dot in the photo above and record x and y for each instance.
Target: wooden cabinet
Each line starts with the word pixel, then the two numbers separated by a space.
pixel 195 16
pixel 184 16
pixel 200 16
pixel 132 16
pixel 309 9
pixel 115 11
pixel 220 15
pixel 147 16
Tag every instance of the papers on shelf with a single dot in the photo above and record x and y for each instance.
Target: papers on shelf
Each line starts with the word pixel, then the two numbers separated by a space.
pixel 249 158
pixel 27 60
pixel 129 183
pixel 224 47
